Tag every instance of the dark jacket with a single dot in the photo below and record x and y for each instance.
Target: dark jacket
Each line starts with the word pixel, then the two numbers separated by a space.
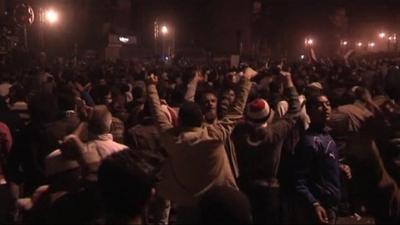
pixel 317 177
pixel 259 149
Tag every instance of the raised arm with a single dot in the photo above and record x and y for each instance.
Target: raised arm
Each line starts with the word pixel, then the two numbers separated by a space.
pixel 281 128
pixel 192 87
pixel 228 122
pixel 160 118
pixel 291 93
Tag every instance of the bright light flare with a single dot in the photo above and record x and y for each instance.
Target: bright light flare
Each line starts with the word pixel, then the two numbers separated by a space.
pixel 359 44
pixel 124 39
pixel 51 16
pixel 164 29
pixel 371 44
pixel 309 41
pixel 382 34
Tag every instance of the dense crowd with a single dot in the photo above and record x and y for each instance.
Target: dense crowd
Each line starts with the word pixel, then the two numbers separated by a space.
pixel 146 142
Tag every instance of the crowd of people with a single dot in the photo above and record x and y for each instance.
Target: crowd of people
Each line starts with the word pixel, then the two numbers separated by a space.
pixel 144 142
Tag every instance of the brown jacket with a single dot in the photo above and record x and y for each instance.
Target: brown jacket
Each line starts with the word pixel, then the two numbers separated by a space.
pixel 197 159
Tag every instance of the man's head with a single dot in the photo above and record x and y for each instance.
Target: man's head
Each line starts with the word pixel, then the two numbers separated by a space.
pixel 66 97
pixel 232 78
pixel 190 115
pixel 225 205
pixel 100 121
pixel 102 94
pixel 209 106
pixel 126 183
pixel 319 109
pixel 230 95
pixel 258 111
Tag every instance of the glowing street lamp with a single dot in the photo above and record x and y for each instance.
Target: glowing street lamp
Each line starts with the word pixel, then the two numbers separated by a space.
pixel 309 41
pixel 382 35
pixel 371 44
pixel 51 16
pixel 164 30
pixel 124 39
pixel 359 44
pixel 344 43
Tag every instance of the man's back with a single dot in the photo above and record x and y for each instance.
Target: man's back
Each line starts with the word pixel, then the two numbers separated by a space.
pixel 197 161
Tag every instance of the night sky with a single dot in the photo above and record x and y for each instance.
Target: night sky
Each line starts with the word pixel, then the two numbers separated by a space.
pixel 218 25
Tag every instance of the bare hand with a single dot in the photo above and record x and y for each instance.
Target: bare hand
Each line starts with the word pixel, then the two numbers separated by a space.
pixel 249 73
pixel 198 76
pixel 287 77
pixel 152 79
pixel 286 74
pixel 346 170
pixel 321 214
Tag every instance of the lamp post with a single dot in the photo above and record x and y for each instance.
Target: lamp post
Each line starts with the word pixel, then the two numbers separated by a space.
pixel 164 32
pixel 47 17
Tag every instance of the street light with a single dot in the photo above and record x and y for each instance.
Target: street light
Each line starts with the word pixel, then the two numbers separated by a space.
pixel 124 39
pixel 371 44
pixel 359 44
pixel 309 42
pixel 164 30
pixel 382 35
pixel 51 16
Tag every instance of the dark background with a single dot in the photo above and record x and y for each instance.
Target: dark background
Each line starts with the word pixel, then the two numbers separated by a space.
pixel 217 27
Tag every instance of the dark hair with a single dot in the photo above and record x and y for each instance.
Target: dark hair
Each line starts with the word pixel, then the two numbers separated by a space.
pixel 190 115
pixel 99 92
pixel 312 100
pixel 125 182
pixel 43 107
pixel 66 98
pixel 225 205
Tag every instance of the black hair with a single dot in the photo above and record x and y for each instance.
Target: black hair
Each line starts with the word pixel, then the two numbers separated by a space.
pixel 312 100
pixel 99 92
pixel 190 115
pixel 125 182
pixel 225 205
pixel 66 98
pixel 43 107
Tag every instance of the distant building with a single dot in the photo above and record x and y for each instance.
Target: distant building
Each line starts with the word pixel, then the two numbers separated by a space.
pixel 2 6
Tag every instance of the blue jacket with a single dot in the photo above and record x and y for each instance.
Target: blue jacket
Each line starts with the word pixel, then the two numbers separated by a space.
pixel 317 168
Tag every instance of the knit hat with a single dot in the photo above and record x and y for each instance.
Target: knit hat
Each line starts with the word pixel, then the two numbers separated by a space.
pixel 258 111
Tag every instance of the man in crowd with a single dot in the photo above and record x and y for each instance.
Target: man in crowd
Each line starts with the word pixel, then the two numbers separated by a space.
pixel 197 159
pixel 259 146
pixel 317 169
